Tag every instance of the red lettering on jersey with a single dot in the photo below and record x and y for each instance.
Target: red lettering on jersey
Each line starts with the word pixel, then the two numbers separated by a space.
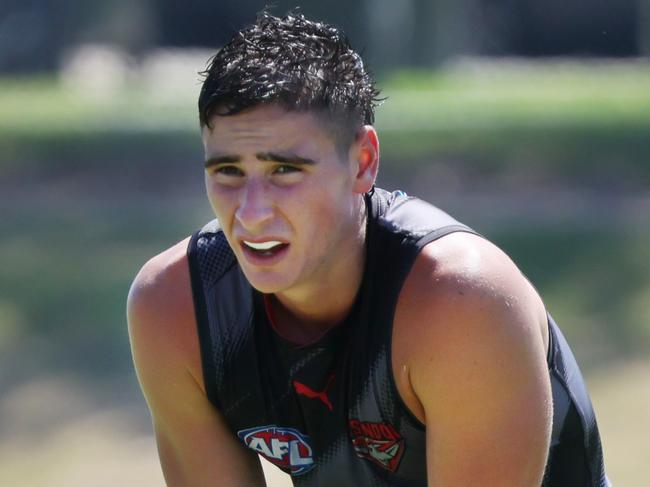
pixel 380 443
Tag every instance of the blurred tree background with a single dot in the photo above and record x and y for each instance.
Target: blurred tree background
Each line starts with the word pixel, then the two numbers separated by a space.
pixel 528 120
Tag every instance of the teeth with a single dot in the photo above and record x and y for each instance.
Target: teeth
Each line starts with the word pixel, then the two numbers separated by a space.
pixel 263 245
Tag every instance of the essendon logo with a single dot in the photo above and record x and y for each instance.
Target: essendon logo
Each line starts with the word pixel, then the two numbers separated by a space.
pixel 285 447
pixel 377 442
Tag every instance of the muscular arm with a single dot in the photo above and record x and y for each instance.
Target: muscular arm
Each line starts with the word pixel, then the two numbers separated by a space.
pixel 477 365
pixel 194 444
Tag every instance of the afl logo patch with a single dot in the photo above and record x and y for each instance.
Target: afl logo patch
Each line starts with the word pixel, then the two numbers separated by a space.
pixel 287 448
pixel 380 443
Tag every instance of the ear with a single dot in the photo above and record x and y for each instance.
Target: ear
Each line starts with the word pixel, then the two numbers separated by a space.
pixel 365 154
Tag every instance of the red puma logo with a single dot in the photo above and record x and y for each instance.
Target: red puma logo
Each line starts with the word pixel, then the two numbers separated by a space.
pixel 312 394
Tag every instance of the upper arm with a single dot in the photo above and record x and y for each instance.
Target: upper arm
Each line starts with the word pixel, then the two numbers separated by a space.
pixel 194 444
pixel 478 367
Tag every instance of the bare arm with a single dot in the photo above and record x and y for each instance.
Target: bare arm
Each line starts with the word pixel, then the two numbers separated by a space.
pixel 478 366
pixel 194 444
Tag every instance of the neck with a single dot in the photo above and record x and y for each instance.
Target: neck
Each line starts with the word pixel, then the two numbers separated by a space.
pixel 303 315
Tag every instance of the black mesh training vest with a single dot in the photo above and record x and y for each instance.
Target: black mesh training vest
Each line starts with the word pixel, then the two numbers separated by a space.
pixel 329 413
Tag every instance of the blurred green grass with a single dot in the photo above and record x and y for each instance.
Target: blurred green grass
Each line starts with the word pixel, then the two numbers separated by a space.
pixel 489 98
pixel 571 119
pixel 67 270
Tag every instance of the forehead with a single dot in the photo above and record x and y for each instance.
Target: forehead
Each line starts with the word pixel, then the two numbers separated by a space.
pixel 267 127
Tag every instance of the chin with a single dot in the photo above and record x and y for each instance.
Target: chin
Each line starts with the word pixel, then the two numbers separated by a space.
pixel 267 284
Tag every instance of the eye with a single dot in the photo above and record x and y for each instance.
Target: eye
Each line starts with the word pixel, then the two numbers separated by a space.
pixel 228 171
pixel 286 169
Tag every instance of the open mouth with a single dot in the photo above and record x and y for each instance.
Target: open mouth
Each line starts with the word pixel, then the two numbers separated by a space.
pixel 264 249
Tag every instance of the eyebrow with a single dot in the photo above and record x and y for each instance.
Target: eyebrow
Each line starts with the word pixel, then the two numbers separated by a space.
pixel 262 156
pixel 290 158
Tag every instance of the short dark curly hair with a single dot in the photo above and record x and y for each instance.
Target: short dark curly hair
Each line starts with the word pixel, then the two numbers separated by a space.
pixel 298 63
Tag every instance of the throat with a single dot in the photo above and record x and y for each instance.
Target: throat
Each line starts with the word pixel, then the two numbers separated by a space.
pixel 301 331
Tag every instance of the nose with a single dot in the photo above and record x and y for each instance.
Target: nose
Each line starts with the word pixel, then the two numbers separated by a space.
pixel 255 208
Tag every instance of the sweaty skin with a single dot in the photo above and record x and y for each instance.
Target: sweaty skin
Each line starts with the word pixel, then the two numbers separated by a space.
pixel 469 337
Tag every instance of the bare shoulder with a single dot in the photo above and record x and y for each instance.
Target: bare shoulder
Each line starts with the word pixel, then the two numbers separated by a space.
pixel 160 312
pixel 469 352
pixel 466 280
pixel 464 298
pixel 165 275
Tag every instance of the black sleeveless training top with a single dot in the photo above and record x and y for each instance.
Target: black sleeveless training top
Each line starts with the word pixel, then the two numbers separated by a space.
pixel 329 413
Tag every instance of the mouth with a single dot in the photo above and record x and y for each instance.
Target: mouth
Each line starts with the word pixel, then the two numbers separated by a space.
pixel 265 250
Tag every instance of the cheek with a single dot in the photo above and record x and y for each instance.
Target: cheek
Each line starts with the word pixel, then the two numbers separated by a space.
pixel 321 216
pixel 213 198
pixel 207 181
pixel 219 199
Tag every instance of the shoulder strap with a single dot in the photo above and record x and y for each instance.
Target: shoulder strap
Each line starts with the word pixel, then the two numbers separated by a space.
pixel 415 219
pixel 223 305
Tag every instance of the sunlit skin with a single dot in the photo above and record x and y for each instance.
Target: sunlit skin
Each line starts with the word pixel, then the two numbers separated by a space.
pixel 277 176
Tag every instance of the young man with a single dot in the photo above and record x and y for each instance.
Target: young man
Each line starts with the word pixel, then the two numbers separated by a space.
pixel 351 336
